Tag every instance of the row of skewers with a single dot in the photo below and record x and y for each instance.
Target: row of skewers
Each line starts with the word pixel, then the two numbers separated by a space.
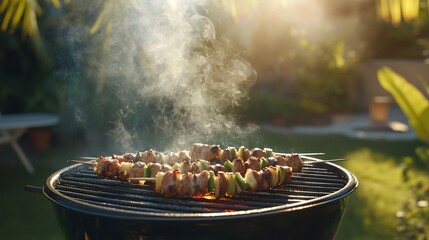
pixel 204 170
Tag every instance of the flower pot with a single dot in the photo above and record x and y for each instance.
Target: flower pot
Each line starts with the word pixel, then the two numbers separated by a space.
pixel 379 109
pixel 40 138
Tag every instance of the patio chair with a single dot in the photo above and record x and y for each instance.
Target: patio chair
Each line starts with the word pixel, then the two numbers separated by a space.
pixel 13 127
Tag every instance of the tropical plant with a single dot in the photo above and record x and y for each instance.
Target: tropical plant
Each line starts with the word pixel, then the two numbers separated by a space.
pixel 22 13
pixel 394 11
pixel 414 214
pixel 412 102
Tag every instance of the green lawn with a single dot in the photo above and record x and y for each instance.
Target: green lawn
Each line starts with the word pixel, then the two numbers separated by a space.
pixel 370 213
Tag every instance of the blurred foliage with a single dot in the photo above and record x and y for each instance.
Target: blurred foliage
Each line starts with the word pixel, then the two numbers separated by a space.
pixel 412 102
pixel 403 36
pixel 22 14
pixel 306 67
pixel 26 80
pixel 413 217
pixel 395 11
pixel 306 82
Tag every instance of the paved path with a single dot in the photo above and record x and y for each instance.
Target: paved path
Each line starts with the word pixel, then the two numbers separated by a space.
pixel 358 126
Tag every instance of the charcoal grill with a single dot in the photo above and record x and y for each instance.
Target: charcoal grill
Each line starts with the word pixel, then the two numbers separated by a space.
pixel 90 207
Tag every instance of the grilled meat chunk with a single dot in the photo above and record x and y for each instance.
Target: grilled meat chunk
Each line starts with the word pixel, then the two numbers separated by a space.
pixel 107 167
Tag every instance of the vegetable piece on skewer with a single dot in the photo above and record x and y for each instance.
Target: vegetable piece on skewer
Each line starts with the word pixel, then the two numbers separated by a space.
pixel 241 182
pixel 269 152
pixel 274 181
pixel 158 182
pixel 230 191
pixel 229 167
pixel 211 182
pixel 251 180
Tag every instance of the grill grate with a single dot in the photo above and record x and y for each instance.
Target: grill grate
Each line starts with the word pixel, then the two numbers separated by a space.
pixel 83 185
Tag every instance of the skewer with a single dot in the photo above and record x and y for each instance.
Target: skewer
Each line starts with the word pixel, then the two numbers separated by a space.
pixel 300 154
pixel 149 179
pixel 89 158
pixel 317 160
pixel 276 153
pixel 83 162
pixel 312 160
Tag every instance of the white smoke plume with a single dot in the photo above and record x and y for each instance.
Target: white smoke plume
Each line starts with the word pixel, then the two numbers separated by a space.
pixel 163 56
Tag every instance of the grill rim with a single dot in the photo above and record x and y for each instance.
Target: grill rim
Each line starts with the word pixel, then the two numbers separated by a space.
pixel 88 208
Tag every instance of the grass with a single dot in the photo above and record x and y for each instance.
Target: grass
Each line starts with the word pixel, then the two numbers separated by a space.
pixel 370 213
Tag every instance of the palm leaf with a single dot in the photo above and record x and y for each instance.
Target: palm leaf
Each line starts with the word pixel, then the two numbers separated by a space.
pixel 18 14
pixel 24 13
pixel 10 9
pixel 412 102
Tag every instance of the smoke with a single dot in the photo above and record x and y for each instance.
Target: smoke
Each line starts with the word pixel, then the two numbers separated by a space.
pixel 158 65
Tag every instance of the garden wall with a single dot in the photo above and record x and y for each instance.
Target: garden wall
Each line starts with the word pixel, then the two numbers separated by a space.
pixel 415 71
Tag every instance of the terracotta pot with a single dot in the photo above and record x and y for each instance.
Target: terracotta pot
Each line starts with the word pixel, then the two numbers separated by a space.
pixel 379 109
pixel 40 138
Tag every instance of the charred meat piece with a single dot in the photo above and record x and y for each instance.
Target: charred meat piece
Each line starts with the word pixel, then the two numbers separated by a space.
pixel 185 187
pixel 155 168
pixel 127 157
pixel 148 156
pixel 254 163
pixel 239 166
pixel 281 160
pixel 226 155
pixel 202 182
pixel 107 167
pixel 223 185
pixel 217 168
pixel 272 161
pixel 183 156
pixel 295 162
pixel 200 151
pixel 166 167
pixel 215 152
pixel 137 170
pixel 257 152
pixel 265 179
pixel 170 183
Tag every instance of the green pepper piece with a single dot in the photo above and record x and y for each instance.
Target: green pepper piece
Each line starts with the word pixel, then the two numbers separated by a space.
pixel 264 162
pixel 211 182
pixel 228 166
pixel 138 157
pixel 202 165
pixel 269 152
pixel 232 152
pixel 147 170
pixel 241 182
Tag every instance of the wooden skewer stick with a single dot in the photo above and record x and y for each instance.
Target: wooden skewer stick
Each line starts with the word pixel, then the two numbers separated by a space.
pixel 83 162
pixel 317 160
pixel 150 179
pixel 300 154
pixel 89 158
